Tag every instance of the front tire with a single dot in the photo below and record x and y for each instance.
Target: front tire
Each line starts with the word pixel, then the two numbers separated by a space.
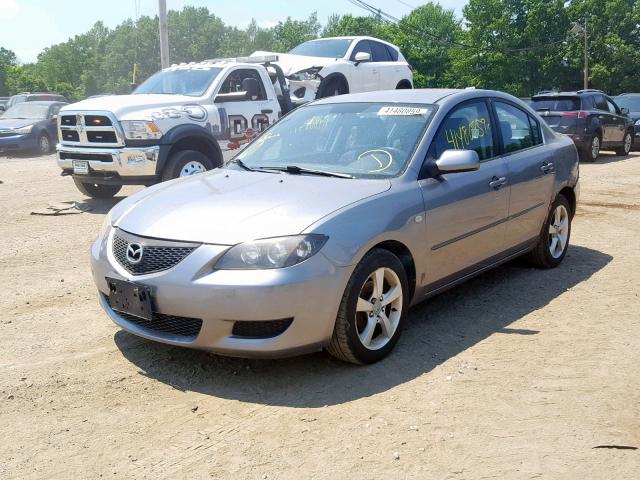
pixel 372 310
pixel 186 163
pixel 627 143
pixel 44 144
pixel 332 88
pixel 554 239
pixel 95 190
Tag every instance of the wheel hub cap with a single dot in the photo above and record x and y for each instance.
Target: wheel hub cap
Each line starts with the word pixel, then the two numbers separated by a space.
pixel 192 168
pixel 558 231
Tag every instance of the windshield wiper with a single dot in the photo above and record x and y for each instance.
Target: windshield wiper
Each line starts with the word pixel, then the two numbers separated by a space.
pixel 237 161
pixel 296 170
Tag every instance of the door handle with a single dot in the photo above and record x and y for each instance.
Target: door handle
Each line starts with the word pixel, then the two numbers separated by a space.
pixel 547 167
pixel 266 110
pixel 496 182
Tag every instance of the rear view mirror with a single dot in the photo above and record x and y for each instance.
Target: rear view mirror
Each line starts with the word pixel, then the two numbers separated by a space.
pixel 362 57
pixel 452 161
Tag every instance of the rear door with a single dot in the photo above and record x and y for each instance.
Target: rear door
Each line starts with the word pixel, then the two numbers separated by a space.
pixel 465 212
pixel 618 122
pixel 560 112
pixel 364 76
pixel 531 172
pixel 606 119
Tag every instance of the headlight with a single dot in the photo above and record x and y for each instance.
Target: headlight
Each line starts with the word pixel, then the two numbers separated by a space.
pixel 637 122
pixel 308 74
pixel 140 130
pixel 24 130
pixel 269 253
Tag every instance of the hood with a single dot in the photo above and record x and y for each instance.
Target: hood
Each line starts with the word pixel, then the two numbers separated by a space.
pixel 126 105
pixel 13 123
pixel 296 63
pixel 226 206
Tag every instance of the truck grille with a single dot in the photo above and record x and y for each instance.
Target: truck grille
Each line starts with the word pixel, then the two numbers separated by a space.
pixel 99 129
pixel 157 255
pixel 188 328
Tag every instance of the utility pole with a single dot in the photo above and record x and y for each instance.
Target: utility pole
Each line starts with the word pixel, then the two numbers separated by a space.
pixel 586 56
pixel 164 33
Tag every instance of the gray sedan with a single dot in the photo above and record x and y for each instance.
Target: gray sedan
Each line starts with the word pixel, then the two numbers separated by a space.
pixel 332 223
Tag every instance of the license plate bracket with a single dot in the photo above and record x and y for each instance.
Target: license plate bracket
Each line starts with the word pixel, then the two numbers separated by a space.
pixel 131 298
pixel 80 167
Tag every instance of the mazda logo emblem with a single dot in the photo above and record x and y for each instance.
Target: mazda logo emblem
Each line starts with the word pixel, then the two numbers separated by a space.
pixel 134 253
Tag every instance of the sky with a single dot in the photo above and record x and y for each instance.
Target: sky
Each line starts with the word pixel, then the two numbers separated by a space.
pixel 28 26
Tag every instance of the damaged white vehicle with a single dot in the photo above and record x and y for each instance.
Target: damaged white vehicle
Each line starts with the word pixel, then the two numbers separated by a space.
pixel 338 65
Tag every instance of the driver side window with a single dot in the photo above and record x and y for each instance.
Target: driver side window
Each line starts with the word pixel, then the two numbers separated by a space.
pixel 362 46
pixel 467 127
pixel 237 79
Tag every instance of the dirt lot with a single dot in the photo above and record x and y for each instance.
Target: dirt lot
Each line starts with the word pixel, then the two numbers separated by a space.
pixel 519 373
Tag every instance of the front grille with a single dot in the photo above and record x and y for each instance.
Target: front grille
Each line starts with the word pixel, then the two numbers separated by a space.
pixel 264 329
pixel 154 258
pixel 100 157
pixel 68 120
pixel 70 135
pixel 97 121
pixel 102 137
pixel 186 327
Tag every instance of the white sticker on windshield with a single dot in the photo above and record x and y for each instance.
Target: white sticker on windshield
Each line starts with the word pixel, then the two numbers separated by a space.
pixel 404 111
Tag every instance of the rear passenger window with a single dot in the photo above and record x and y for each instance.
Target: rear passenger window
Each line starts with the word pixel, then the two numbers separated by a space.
pixel 380 52
pixel 467 127
pixel 516 128
pixel 393 53
pixel 601 103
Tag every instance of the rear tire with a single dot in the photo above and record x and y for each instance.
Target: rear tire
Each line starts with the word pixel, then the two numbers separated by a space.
pixel 553 242
pixel 44 144
pixel 95 190
pixel 627 143
pixel 185 163
pixel 592 151
pixel 366 327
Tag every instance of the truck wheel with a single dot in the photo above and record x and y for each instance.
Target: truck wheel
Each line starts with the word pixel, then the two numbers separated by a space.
pixel 186 163
pixel 95 190
pixel 626 145
pixel 44 144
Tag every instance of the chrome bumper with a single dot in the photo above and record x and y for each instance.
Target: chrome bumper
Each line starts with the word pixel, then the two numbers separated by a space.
pixel 126 162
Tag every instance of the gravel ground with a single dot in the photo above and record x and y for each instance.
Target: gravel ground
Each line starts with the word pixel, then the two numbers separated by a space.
pixel 519 373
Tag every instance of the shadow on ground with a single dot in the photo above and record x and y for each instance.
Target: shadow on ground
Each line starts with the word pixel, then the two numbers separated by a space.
pixel 610 157
pixel 98 205
pixel 436 331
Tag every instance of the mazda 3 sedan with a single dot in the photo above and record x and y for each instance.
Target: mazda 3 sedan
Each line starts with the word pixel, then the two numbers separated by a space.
pixel 332 223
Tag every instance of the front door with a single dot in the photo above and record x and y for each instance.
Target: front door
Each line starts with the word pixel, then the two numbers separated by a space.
pixel 465 212
pixel 365 75
pixel 531 172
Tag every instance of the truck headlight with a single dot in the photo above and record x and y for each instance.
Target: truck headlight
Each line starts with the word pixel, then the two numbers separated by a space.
pixel 141 130
pixel 271 253
pixel 23 130
pixel 308 74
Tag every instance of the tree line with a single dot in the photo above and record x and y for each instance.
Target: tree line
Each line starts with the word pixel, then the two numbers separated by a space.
pixel 518 46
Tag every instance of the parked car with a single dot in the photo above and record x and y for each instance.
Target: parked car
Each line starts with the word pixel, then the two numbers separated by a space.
pixel 3 103
pixel 338 65
pixel 35 97
pixel 29 126
pixel 631 102
pixel 328 226
pixel 590 118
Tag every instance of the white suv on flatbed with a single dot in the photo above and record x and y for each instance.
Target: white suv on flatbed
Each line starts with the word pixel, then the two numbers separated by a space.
pixel 337 65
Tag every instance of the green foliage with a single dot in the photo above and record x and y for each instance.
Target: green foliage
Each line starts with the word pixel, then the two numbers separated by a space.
pixel 519 46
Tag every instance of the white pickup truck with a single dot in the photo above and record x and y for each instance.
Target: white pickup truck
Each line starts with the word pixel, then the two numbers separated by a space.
pixel 183 120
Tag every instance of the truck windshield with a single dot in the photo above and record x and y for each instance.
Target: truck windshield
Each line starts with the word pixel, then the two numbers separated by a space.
pixel 329 48
pixel 361 140
pixel 180 81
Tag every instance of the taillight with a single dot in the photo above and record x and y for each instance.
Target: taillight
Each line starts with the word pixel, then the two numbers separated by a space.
pixel 579 114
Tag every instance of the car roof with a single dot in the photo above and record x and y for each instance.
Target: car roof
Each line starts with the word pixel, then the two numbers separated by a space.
pixel 43 102
pixel 356 38
pixel 418 95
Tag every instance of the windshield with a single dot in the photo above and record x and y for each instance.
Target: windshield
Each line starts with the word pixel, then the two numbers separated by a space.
pixel 16 99
pixel 27 110
pixel 363 140
pixel 181 81
pixel 556 104
pixel 330 48
pixel 628 101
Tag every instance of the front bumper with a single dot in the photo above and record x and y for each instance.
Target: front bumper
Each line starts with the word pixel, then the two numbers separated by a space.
pixel 17 143
pixel 303 91
pixel 309 293
pixel 123 162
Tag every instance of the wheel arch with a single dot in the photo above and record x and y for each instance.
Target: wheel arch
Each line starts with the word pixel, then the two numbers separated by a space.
pixel 192 137
pixel 404 84
pixel 331 77
pixel 405 256
pixel 570 195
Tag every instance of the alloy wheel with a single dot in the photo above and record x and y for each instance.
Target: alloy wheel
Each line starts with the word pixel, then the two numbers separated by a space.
pixel 44 144
pixel 627 143
pixel 191 168
pixel 558 231
pixel 595 147
pixel 379 308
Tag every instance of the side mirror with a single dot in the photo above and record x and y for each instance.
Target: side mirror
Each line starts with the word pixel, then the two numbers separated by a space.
pixel 2 108
pixel 624 111
pixel 362 57
pixel 230 97
pixel 452 161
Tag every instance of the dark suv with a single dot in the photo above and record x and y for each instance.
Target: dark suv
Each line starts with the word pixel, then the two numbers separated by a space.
pixel 631 102
pixel 590 118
